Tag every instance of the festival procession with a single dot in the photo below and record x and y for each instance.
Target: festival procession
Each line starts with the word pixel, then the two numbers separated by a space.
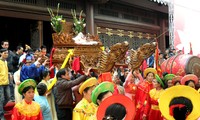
pixel 81 79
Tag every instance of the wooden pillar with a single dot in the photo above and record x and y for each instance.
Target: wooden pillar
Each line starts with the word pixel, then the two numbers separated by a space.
pixel 40 30
pixel 90 18
pixel 36 34
pixel 162 41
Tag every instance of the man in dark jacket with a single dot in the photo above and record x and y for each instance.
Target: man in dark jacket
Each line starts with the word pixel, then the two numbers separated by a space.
pixel 63 93
pixel 18 53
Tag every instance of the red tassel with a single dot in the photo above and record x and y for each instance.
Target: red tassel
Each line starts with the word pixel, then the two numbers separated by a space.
pixel 171 109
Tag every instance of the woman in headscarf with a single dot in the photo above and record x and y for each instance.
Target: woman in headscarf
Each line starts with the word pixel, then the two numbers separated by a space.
pixel 116 107
pixel 168 80
pixel 142 93
pixel 27 109
pixel 189 80
pixel 85 110
pixel 101 92
pixel 130 86
pixel 154 95
pixel 180 103
pixel 176 80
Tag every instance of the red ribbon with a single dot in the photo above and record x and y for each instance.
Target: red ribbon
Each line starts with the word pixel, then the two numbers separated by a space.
pixel 171 109
pixel 51 58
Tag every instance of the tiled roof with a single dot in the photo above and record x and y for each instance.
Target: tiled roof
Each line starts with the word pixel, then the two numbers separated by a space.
pixel 164 2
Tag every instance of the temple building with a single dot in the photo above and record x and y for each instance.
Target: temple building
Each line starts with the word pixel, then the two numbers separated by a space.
pixel 136 21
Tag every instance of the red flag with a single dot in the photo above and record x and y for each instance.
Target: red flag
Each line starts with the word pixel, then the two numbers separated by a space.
pixel 191 52
pixel 158 67
pixel 144 65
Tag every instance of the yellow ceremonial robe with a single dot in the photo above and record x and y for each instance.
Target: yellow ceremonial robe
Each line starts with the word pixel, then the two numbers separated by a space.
pixel 84 111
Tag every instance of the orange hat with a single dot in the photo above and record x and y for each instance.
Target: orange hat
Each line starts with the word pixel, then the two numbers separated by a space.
pixel 120 99
pixel 88 83
pixel 105 77
pixel 148 70
pixel 176 79
pixel 189 77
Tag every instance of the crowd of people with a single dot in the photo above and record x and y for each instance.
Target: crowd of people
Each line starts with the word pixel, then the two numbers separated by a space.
pixel 116 95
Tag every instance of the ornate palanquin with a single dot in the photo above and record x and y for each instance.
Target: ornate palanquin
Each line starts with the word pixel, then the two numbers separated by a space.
pixel 90 55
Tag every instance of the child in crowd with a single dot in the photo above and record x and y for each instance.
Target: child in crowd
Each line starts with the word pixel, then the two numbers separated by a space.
pixel 42 100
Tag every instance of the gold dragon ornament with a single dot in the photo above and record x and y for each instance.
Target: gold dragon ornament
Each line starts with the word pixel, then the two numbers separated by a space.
pixel 117 53
pixel 142 53
pixel 107 60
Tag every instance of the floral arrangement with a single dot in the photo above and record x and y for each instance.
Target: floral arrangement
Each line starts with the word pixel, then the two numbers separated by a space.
pixel 56 20
pixel 79 24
